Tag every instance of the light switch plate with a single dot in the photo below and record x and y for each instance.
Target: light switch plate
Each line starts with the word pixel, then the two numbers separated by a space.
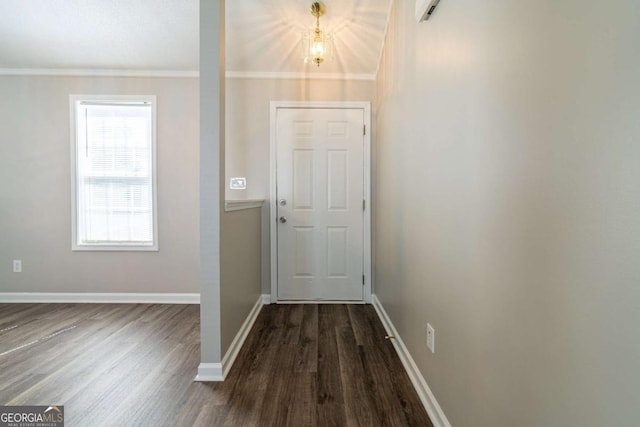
pixel 238 183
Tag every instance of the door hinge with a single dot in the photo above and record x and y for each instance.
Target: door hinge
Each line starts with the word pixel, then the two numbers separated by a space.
pixel 364 129
pixel 364 205
pixel 363 280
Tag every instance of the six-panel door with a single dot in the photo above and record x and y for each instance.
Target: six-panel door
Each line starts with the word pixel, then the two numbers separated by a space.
pixel 320 193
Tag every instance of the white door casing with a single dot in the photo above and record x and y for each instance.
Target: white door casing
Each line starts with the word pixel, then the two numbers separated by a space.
pixel 319 206
pixel 320 218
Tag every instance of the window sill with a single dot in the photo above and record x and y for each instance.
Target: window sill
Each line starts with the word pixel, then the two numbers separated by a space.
pixel 114 248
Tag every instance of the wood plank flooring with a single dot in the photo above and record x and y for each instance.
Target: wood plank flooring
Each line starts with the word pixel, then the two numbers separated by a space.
pixel 133 365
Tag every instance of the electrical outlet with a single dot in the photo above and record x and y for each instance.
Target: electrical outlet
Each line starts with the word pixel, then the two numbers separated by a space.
pixel 431 338
pixel 17 266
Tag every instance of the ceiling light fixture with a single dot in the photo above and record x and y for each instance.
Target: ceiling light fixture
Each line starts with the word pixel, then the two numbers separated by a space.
pixel 317 45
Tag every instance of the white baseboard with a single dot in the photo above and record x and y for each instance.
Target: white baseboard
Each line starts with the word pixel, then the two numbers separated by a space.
pixel 241 336
pixel 419 383
pixel 98 298
pixel 318 301
pixel 219 371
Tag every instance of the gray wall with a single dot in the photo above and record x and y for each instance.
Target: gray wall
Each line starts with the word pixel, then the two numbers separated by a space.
pixel 35 190
pixel 508 207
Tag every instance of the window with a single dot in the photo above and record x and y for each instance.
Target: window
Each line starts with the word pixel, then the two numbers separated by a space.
pixel 114 191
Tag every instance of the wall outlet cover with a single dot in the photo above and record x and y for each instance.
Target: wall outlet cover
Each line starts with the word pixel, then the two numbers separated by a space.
pixel 431 338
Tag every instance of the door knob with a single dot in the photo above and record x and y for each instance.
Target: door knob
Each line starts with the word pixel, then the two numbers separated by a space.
pixel 283 220
pixel 282 202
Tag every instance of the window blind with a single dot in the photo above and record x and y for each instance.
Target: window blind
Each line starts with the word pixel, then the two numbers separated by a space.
pixel 114 156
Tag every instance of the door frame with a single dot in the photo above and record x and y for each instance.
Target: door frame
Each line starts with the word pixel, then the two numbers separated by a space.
pixel 366 108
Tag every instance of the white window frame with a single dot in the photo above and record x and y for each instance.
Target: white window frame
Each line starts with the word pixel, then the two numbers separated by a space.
pixel 116 99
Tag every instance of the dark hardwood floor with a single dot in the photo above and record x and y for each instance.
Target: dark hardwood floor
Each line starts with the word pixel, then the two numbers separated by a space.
pixel 133 365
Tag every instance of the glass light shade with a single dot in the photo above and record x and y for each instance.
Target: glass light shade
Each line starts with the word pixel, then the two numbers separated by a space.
pixel 317 46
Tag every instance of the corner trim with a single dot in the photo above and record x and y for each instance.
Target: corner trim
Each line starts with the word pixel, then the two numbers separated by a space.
pixel 219 371
pixel 209 372
pixel 98 298
pixel 419 383
pixel 384 38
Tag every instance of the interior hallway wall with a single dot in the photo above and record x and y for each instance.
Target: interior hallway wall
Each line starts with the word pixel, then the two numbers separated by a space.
pixel 507 207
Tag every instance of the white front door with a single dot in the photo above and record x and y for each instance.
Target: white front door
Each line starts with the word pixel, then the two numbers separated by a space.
pixel 320 196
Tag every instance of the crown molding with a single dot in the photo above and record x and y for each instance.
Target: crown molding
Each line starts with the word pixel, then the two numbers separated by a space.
pixel 79 72
pixel 71 72
pixel 298 76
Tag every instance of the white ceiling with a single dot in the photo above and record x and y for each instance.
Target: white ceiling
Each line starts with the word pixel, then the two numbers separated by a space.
pixel 162 35
pixel 99 34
